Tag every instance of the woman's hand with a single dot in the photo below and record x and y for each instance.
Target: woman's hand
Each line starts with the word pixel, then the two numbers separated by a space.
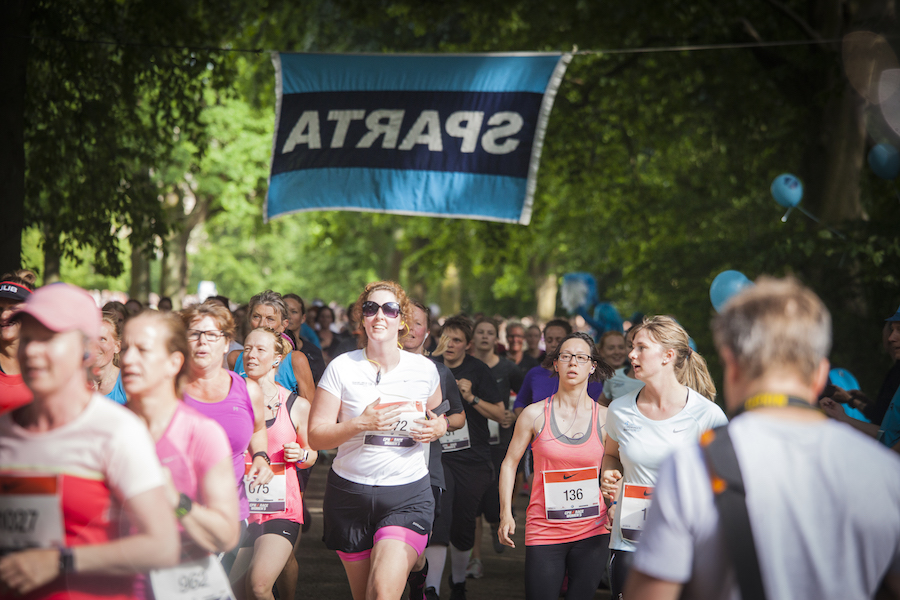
pixel 28 570
pixel 430 429
pixel 295 453
pixel 378 418
pixel 609 484
pixel 507 528
pixel 260 471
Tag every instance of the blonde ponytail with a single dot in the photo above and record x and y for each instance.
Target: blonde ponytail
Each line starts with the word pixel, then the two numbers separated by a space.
pixel 690 367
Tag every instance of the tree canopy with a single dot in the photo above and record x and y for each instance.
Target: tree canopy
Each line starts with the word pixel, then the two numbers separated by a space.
pixel 654 177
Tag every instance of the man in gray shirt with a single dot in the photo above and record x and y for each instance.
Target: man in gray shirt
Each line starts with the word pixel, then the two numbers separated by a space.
pixel 823 500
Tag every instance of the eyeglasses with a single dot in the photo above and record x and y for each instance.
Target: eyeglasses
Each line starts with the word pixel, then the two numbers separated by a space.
pixel 580 358
pixel 391 310
pixel 212 336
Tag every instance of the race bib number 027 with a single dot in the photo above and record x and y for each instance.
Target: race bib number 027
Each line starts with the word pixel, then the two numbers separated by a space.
pixel 30 512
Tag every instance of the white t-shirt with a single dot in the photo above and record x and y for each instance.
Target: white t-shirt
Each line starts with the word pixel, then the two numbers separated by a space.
pixel 645 443
pixel 352 378
pixel 620 384
pixel 824 507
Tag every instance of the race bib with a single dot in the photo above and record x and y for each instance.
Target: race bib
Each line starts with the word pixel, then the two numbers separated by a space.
pixel 572 494
pixel 493 432
pixel 400 435
pixel 456 440
pixel 269 497
pixel 30 512
pixel 202 579
pixel 633 510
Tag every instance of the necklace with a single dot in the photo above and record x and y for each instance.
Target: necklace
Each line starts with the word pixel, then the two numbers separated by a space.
pixel 269 400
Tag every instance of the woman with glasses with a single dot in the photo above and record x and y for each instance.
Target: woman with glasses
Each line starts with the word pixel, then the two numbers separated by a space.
pixel 565 524
pixel 675 406
pixel 375 405
pixel 224 396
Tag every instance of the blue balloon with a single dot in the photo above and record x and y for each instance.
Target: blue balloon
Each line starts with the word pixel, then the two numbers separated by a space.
pixel 884 160
pixel 787 190
pixel 725 285
pixel 843 379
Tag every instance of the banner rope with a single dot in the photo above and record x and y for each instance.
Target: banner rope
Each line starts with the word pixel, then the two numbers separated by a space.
pixel 643 50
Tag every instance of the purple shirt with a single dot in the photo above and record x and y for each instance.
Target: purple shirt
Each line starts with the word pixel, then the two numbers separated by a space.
pixel 235 414
pixel 539 384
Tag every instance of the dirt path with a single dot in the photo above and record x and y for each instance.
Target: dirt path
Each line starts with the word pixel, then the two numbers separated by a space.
pixel 322 576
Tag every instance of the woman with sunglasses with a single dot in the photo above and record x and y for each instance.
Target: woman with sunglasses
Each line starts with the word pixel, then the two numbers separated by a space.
pixel 225 397
pixel 675 406
pixel 565 524
pixel 375 405
pixel 272 535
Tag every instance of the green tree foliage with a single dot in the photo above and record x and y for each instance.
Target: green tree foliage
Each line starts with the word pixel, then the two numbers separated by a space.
pixel 656 168
pixel 107 84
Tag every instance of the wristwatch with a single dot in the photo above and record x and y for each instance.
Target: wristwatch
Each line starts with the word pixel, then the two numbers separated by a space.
pixel 264 454
pixel 66 560
pixel 475 400
pixel 185 504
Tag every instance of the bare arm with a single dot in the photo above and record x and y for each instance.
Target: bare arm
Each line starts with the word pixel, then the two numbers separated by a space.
pixel 300 452
pixel 260 472
pixel 457 421
pixel 610 469
pixel 232 358
pixel 213 525
pixel 643 587
pixel 522 436
pixel 836 411
pixel 486 409
pixel 305 386
pixel 154 545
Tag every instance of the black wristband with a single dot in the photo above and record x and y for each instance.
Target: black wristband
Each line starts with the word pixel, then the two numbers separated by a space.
pixel 185 504
pixel 66 560
pixel 265 455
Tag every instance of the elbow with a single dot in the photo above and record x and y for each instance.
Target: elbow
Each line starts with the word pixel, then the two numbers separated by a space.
pixel 168 551
pixel 230 541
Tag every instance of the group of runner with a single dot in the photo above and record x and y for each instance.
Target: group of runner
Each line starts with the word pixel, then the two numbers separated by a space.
pixel 197 482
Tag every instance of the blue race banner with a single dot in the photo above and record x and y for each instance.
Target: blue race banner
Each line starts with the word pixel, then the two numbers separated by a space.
pixel 453 135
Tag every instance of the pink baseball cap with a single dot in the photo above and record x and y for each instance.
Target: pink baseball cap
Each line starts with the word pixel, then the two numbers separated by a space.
pixel 62 307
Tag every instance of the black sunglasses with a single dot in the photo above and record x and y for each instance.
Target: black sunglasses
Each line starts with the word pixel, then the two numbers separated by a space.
pixel 390 309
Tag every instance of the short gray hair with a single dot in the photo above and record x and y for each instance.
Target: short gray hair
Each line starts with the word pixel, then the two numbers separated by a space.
pixel 268 298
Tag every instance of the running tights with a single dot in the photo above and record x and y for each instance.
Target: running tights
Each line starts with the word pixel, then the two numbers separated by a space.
pixel 619 565
pixel 545 567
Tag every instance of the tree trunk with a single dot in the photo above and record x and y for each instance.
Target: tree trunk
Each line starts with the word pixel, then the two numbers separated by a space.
pixel 451 292
pixel 547 288
pixel 14 20
pixel 844 137
pixel 51 254
pixel 140 276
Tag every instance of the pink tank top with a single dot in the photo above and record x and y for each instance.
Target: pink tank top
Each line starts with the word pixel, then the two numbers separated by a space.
pixel 551 454
pixel 281 432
